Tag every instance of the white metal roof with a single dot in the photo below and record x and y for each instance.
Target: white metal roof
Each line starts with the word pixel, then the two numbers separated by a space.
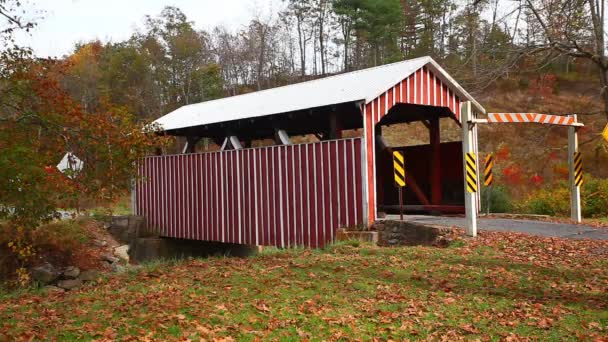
pixel 362 85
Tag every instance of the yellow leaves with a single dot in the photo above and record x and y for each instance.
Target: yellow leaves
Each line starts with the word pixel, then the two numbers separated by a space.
pixel 23 250
pixel 23 276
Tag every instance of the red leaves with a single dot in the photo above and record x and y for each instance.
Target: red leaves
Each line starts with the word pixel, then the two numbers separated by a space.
pixel 512 174
pixel 537 180
pixel 503 153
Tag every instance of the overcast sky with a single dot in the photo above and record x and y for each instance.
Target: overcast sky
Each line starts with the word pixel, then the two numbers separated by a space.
pixel 61 23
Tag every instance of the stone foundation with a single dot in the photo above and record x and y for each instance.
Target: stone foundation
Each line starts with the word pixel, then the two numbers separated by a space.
pixel 127 228
pixel 403 233
pixel 153 248
pixel 366 236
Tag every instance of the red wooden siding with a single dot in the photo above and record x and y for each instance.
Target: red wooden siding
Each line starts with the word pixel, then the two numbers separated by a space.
pixel 296 195
pixel 421 87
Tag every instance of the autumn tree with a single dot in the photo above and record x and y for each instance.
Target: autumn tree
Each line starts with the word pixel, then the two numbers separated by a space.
pixel 574 28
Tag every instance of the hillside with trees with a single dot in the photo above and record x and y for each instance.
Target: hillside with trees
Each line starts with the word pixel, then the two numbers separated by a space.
pixel 528 56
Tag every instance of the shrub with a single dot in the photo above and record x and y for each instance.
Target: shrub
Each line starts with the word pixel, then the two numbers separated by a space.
pixel 61 237
pixel 57 242
pixel 500 200
pixel 554 200
pixel 595 197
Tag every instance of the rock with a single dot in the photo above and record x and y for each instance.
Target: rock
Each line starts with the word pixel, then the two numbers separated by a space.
pixel 122 252
pixel 117 268
pixel 44 274
pixel 109 258
pixel 53 289
pixel 69 284
pixel 100 243
pixel 71 272
pixel 90 275
pixel 443 242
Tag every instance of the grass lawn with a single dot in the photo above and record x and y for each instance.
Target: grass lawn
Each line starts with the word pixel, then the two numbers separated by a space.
pixel 497 287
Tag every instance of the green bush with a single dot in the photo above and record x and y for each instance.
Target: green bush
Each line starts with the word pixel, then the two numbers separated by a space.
pixel 554 200
pixel 595 197
pixel 500 200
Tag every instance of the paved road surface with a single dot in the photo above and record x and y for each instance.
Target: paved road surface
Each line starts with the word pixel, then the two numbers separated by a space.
pixel 563 230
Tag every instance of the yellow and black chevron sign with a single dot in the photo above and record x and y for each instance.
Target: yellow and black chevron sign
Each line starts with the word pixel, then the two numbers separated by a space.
pixel 471 167
pixel 488 175
pixel 578 169
pixel 399 167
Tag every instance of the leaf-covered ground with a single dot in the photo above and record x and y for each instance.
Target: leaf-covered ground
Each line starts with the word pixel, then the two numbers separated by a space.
pixel 497 287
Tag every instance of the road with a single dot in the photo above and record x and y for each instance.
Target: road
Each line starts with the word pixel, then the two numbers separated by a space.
pixel 549 229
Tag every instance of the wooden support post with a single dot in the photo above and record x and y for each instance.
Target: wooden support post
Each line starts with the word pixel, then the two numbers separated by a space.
pixel 134 196
pixel 379 178
pixel 435 175
pixel 468 146
pixel 575 191
pixel 335 128
pixel 476 149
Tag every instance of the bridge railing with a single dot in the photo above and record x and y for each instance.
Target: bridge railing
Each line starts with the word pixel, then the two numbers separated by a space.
pixel 289 195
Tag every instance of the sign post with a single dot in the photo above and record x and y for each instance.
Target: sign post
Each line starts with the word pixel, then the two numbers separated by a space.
pixel 488 180
pixel 575 183
pixel 399 170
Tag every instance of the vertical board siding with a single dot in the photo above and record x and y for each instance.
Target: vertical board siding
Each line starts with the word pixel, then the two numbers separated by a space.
pixel 285 196
pixel 421 87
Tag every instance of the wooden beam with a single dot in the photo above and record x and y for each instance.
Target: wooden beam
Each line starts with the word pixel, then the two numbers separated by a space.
pixel 435 176
pixel 281 137
pixel 409 179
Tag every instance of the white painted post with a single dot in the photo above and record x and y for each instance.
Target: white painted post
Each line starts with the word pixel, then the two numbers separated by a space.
pixel 474 129
pixel 575 191
pixel 468 146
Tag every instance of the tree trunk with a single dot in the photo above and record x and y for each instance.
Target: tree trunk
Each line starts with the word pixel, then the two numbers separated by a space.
pixel 321 38
pixel 604 88
pixel 302 45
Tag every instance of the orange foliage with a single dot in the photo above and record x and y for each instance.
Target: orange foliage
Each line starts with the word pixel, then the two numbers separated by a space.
pixel 503 153
pixel 512 174
pixel 537 180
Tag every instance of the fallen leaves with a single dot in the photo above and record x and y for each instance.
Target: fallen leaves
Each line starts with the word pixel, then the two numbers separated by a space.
pixel 497 285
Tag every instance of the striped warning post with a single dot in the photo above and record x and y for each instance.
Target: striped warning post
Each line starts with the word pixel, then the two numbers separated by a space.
pixel 471 167
pixel 530 117
pixel 399 167
pixel 578 169
pixel 488 175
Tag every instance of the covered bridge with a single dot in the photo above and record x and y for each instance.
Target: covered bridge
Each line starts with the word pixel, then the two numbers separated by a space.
pixel 288 194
